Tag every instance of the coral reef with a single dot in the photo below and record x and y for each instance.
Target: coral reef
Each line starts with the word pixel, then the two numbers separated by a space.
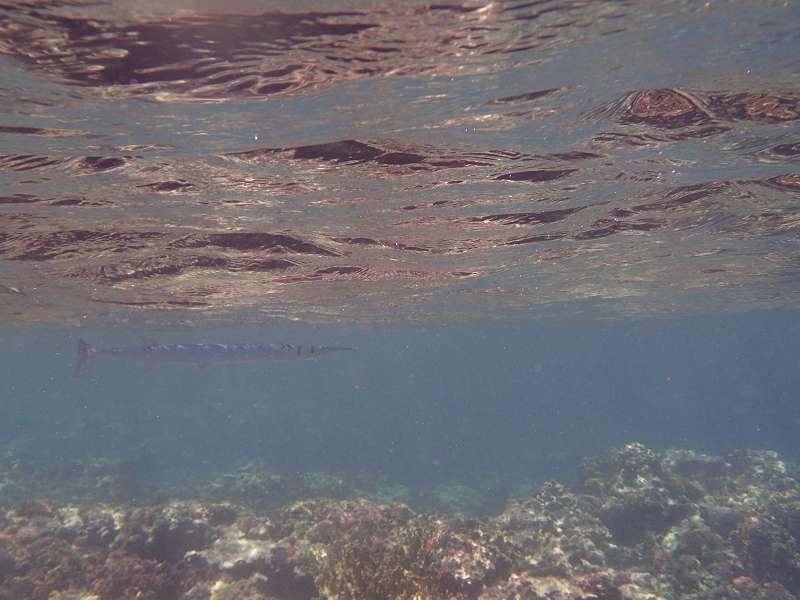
pixel 637 525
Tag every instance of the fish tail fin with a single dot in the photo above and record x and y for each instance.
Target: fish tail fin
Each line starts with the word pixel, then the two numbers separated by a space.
pixel 85 355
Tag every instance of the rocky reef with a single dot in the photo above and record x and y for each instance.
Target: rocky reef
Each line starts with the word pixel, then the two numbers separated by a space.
pixel 638 524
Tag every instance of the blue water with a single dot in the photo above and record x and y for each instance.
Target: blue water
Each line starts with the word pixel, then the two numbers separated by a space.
pixel 495 406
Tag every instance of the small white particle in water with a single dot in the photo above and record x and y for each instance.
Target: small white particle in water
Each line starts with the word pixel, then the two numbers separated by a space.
pixel 255 137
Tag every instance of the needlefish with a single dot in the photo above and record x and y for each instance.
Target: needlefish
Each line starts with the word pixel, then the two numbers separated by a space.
pixel 202 355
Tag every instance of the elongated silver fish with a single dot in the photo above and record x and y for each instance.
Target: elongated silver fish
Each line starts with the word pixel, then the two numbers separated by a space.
pixel 202 355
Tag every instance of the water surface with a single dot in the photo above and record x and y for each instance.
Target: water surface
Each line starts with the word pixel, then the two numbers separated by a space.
pixel 381 161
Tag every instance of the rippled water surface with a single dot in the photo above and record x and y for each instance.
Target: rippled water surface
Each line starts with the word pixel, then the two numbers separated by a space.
pixel 365 160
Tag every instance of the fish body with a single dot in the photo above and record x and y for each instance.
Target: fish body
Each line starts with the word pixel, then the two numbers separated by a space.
pixel 202 355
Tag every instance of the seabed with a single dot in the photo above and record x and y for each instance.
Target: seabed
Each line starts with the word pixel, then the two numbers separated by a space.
pixel 637 524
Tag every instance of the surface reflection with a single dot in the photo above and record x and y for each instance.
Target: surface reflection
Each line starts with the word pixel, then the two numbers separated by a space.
pixel 469 158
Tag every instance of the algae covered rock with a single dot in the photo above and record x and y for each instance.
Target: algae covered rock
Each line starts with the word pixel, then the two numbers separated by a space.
pixel 255 587
pixel 366 550
pixel 639 525
pixel 640 497
pixel 769 551
pixel 554 533
pixel 269 565
pixel 166 533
